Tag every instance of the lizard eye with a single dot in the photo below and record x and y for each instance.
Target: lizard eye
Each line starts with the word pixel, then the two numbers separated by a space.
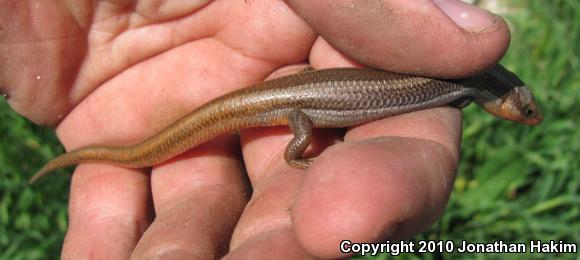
pixel 528 111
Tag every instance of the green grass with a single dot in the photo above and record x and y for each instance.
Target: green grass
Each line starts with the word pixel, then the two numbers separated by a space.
pixel 515 183
pixel 33 219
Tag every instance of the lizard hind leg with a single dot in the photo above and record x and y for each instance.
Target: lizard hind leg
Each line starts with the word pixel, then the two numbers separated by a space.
pixel 301 126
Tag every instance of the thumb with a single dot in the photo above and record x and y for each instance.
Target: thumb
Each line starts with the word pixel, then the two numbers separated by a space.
pixel 441 38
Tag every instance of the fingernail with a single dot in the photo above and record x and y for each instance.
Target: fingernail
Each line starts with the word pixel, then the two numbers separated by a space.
pixel 467 16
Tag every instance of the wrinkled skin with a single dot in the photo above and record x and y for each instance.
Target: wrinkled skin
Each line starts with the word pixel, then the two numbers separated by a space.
pixel 118 71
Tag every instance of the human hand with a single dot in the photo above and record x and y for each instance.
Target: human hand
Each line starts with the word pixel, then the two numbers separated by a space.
pixel 119 72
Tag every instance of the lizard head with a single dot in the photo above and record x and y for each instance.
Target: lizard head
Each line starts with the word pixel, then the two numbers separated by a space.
pixel 516 105
pixel 503 94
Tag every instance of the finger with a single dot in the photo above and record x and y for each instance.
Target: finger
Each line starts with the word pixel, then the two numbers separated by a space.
pixel 266 219
pixel 277 243
pixel 379 185
pixel 443 38
pixel 109 209
pixel 198 198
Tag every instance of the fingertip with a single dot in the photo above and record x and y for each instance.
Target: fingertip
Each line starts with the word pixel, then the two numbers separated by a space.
pixel 109 209
pixel 413 37
pixel 198 196
pixel 370 191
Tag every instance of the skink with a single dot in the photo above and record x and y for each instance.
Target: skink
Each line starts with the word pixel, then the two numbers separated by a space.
pixel 328 98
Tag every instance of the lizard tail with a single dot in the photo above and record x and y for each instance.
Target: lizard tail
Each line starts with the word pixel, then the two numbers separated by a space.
pixel 61 161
